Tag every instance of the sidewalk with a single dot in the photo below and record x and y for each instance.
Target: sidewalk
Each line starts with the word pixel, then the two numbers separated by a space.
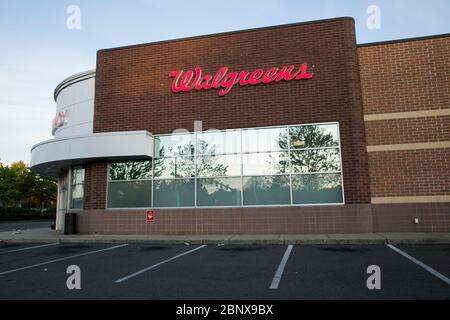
pixel 51 236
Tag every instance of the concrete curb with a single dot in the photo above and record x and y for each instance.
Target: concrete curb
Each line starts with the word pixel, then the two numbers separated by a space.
pixel 340 239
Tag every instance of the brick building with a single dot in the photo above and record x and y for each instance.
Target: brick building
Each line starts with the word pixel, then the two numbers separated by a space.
pixel 286 129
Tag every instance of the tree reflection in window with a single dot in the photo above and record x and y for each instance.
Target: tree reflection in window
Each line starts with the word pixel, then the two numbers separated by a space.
pixel 183 166
pixel 208 165
pixel 321 160
pixel 219 191
pixel 136 170
pixel 317 188
pixel 316 160
pixel 314 136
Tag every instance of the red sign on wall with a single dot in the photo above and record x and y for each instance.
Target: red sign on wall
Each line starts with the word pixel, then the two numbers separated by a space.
pixel 150 216
pixel 224 80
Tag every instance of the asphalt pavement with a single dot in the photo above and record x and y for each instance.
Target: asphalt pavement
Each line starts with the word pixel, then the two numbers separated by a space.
pixel 25 225
pixel 229 272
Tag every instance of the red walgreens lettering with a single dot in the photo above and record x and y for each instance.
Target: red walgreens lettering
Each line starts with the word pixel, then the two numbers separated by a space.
pixel 223 80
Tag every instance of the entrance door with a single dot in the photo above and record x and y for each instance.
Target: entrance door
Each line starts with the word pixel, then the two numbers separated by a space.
pixel 63 200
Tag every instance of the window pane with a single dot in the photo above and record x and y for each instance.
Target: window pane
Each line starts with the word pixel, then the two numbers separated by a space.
pixel 266 190
pixel 174 145
pixel 315 136
pixel 219 166
pixel 77 196
pixel 219 142
pixel 325 160
pixel 174 193
pixel 265 163
pixel 77 175
pixel 130 170
pixel 129 194
pixel 259 140
pixel 180 167
pixel 219 192
pixel 316 188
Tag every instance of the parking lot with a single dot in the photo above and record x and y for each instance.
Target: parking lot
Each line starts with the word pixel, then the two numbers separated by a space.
pixel 132 271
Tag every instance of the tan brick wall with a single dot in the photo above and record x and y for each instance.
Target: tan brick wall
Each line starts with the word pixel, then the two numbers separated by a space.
pixel 410 172
pixel 406 77
pixel 426 129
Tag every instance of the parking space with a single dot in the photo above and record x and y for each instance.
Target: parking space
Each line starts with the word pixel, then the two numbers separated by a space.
pixel 226 272
pixel 437 256
pixel 122 271
pixel 340 272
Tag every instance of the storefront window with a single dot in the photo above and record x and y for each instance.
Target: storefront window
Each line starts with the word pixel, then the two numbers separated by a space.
pixel 130 184
pixel 287 165
pixel 174 167
pixel 77 188
pixel 316 188
pixel 316 160
pixel 266 190
pixel 226 165
pixel 265 163
pixel 314 136
pixel 174 193
pixel 219 142
pixel 264 139
pixel 138 170
pixel 219 191
pixel 174 145
pixel 315 164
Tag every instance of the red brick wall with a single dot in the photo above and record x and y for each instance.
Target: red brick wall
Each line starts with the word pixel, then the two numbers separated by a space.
pixel 95 185
pixel 133 87
pixel 133 93
pixel 283 220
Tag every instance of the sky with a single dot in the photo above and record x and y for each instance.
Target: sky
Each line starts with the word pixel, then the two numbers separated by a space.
pixel 38 50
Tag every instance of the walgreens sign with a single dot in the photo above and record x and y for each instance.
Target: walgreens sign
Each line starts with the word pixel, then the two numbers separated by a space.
pixel 224 80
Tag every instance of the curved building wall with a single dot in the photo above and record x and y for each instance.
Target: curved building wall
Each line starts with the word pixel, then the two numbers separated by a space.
pixel 75 96
pixel 75 144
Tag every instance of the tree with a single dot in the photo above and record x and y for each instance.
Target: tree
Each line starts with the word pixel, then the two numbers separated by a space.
pixel 10 187
pixel 43 192
pixel 19 187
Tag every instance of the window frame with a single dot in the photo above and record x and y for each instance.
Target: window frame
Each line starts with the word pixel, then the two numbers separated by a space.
pixel 195 155
pixel 108 181
pixel 71 185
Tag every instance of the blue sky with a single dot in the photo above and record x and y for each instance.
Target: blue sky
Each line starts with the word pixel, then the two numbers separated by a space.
pixel 38 50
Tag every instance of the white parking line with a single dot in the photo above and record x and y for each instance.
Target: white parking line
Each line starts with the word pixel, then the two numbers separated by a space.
pixel 421 264
pixel 30 248
pixel 277 278
pixel 158 264
pixel 62 259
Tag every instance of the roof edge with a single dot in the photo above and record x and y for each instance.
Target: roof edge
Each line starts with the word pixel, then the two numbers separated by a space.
pixel 230 32
pixel 387 42
pixel 73 79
